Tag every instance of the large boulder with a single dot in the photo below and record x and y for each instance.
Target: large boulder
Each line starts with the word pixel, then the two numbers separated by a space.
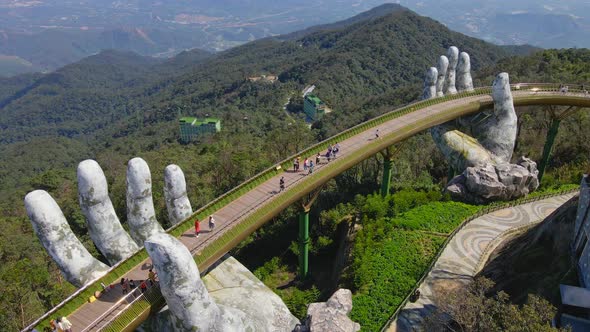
pixel 332 315
pixel 493 182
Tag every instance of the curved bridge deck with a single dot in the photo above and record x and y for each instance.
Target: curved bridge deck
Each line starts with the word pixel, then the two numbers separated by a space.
pixel 259 203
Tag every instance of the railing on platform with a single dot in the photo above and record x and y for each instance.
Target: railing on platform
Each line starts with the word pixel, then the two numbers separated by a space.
pixel 118 270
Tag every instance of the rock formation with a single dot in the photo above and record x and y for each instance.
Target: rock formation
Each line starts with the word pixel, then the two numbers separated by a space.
pixel 141 215
pixel 103 224
pixel 442 66
pixel 191 307
pixel 75 262
pixel 430 84
pixel 505 181
pixel 483 158
pixel 177 203
pixel 332 315
pixel 453 56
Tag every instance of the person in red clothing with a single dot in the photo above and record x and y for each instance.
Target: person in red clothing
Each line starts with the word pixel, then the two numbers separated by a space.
pixel 197 227
pixel 143 286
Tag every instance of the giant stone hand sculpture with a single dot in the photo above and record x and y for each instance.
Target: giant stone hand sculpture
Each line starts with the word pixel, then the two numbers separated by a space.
pixel 240 301
pixel 103 225
pixel 483 157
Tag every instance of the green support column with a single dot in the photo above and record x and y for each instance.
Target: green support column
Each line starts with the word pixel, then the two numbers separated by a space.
pixel 304 244
pixel 551 134
pixel 386 182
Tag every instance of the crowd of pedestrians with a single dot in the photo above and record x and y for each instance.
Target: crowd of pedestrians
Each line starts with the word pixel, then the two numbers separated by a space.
pixel 308 163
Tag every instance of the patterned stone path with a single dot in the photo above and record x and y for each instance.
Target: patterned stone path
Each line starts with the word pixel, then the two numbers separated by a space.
pixel 468 251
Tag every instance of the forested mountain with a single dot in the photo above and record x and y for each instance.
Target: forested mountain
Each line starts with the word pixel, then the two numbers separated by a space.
pixel 112 95
pixel 115 105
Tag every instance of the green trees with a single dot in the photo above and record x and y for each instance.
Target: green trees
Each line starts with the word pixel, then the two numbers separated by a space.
pixel 474 309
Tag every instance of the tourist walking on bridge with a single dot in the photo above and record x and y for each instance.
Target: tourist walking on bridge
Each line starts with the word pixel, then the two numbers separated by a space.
pixel 305 164
pixel 64 324
pixel 336 149
pixel 282 184
pixel 152 276
pixel 197 227
pixel 310 166
pixel 124 286
pixel 211 222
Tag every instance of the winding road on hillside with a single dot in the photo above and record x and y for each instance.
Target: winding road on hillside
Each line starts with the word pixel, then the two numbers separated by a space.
pixel 262 202
pixel 467 252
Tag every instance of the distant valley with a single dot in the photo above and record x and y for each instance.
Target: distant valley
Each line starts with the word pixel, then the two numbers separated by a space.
pixel 43 35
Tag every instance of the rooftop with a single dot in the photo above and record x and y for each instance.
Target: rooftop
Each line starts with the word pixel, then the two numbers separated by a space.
pixel 197 122
pixel 314 99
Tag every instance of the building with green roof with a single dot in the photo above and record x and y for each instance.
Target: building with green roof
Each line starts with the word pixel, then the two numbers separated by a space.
pixel 314 107
pixel 191 127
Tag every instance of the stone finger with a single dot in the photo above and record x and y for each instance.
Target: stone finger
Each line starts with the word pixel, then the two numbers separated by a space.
pixel 430 83
pixel 441 67
pixel 103 224
pixel 75 262
pixel 141 214
pixel 464 80
pixel 498 132
pixel 453 56
pixel 177 202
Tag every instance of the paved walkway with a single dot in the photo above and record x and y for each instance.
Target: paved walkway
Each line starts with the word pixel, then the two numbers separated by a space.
pixel 468 251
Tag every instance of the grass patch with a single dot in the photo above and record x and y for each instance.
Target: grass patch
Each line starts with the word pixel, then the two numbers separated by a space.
pixel 390 254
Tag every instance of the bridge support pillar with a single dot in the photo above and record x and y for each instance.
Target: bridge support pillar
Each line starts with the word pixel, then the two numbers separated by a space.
pixel 386 182
pixel 304 244
pixel 304 240
pixel 388 155
pixel 551 134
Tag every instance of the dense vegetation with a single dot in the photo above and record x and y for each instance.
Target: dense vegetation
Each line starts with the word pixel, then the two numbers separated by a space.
pixel 114 106
pixel 477 308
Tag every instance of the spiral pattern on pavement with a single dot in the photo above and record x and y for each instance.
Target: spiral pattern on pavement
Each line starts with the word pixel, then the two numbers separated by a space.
pixel 461 257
